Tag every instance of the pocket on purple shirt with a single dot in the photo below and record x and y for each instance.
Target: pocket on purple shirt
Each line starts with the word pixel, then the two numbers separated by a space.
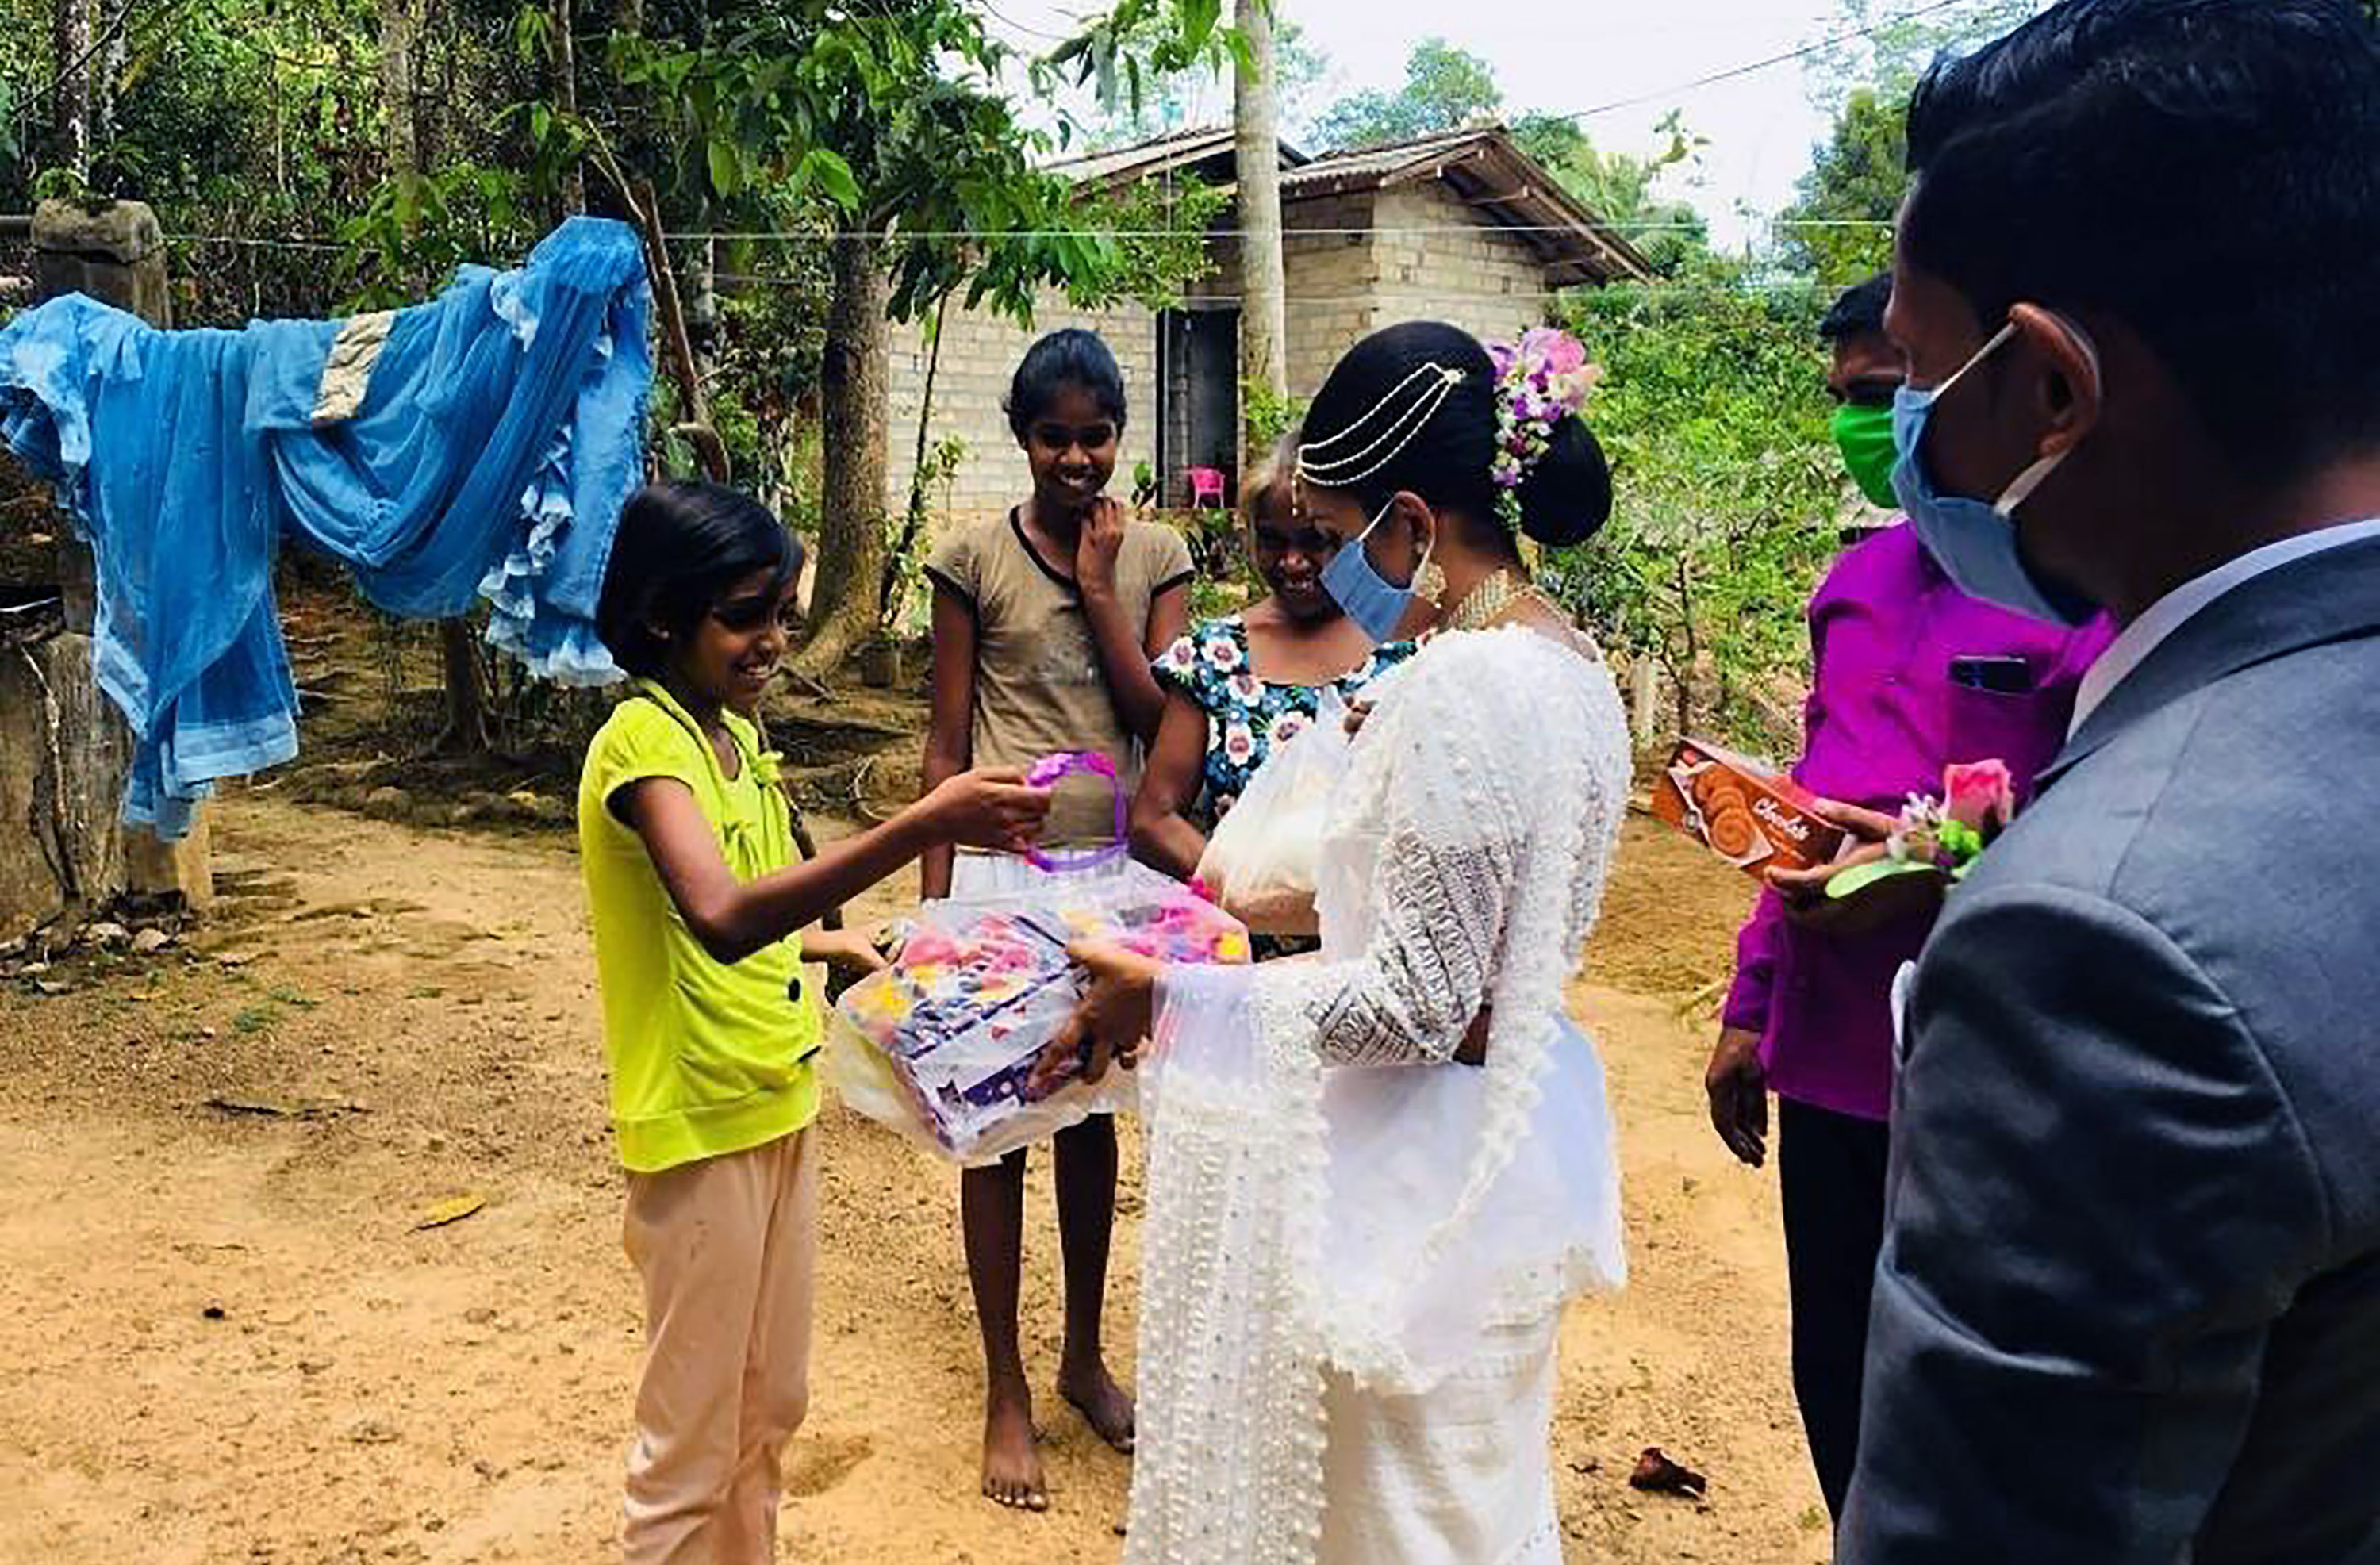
pixel 2023 731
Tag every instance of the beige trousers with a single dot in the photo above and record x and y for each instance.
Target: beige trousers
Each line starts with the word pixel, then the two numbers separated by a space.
pixel 728 1250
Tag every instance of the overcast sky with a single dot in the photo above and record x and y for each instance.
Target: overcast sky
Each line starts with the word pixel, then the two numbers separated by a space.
pixel 1568 55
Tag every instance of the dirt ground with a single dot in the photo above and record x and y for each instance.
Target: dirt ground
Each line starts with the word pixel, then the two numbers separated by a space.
pixel 225 1338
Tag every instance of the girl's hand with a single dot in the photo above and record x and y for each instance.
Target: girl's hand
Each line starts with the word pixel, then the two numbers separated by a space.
pixel 1101 542
pixel 850 951
pixel 1358 713
pixel 991 808
pixel 1112 1021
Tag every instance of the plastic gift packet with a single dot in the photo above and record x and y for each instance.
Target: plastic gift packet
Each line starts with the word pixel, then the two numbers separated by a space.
pixel 1263 858
pixel 940 1045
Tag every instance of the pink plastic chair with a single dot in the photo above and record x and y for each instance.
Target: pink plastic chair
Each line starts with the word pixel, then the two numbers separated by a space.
pixel 1205 484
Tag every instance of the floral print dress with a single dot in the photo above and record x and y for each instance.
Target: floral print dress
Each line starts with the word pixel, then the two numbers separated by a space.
pixel 1247 716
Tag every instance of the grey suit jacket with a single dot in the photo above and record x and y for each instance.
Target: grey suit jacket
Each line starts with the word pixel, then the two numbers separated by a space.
pixel 2127 1311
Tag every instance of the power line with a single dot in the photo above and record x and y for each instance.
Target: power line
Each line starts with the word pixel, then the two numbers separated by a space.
pixel 1447 230
pixel 1734 72
pixel 1001 15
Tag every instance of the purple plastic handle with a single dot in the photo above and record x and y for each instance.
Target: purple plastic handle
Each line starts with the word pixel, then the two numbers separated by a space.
pixel 1045 773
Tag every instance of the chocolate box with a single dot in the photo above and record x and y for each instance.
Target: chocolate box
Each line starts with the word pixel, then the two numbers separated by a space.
pixel 1749 813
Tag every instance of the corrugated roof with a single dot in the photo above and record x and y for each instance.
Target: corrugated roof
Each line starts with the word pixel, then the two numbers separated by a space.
pixel 1361 163
pixel 1179 149
pixel 1487 172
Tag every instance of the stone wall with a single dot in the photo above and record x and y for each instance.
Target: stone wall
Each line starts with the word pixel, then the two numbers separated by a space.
pixel 1333 282
pixel 1410 268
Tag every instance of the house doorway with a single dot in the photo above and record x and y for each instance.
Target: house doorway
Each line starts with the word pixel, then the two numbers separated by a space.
pixel 1198 396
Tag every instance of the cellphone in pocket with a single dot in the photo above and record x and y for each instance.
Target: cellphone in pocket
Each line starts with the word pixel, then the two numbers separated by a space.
pixel 2002 676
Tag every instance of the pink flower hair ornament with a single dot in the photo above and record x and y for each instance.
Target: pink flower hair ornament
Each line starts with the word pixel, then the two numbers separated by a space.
pixel 1541 378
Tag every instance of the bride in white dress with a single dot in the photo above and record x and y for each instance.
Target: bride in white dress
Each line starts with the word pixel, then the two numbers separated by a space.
pixel 1375 1176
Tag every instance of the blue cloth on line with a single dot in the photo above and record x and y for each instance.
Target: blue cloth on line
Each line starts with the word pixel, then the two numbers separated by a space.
pixel 497 434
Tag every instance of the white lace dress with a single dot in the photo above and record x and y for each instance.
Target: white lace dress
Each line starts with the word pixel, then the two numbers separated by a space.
pixel 1356 1250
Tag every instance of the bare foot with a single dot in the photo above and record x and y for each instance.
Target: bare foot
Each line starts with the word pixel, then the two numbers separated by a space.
pixel 1012 1468
pixel 1105 1405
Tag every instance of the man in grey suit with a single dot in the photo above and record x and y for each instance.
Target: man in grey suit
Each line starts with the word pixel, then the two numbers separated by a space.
pixel 2127 1309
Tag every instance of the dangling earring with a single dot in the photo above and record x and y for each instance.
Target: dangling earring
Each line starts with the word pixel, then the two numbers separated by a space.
pixel 1430 585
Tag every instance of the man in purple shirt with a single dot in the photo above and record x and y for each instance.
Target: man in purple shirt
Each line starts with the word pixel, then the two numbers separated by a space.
pixel 1909 676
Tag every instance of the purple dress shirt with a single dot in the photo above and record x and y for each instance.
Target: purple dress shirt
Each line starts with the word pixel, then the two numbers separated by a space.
pixel 1883 719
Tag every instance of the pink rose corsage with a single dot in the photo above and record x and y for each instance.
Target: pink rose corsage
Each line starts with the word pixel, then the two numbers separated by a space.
pixel 1941 836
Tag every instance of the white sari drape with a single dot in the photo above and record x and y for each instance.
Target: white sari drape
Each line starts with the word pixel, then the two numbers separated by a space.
pixel 1355 1249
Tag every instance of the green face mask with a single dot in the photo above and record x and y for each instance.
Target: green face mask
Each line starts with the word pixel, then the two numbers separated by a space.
pixel 1865 437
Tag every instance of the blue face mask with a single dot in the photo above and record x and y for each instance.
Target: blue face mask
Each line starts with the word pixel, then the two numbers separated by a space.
pixel 1973 541
pixel 1376 604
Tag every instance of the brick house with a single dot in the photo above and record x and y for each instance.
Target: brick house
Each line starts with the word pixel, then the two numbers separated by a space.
pixel 1461 227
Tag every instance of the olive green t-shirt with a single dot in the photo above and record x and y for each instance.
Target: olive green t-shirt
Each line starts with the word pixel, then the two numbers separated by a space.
pixel 706 1057
pixel 1038 683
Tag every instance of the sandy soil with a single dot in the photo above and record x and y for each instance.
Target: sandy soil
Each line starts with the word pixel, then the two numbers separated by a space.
pixel 222 1337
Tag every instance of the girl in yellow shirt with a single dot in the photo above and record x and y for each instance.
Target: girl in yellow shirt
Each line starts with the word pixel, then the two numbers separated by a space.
pixel 685 845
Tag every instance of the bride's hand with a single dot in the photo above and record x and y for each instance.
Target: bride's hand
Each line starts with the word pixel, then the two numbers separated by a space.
pixel 1111 1022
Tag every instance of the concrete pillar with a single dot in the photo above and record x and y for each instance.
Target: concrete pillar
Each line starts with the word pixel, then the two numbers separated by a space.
pixel 114 252
pixel 1644 694
pixel 63 748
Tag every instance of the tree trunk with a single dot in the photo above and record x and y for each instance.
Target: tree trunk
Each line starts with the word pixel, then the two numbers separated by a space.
pixel 400 28
pixel 466 699
pixel 566 98
pixel 70 110
pixel 852 378
pixel 1264 305
pixel 112 57
pixel 702 311
pixel 913 519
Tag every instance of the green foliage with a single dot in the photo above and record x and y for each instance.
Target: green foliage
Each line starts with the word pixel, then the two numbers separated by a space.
pixel 1619 187
pixel 1888 44
pixel 1161 239
pixel 1224 579
pixel 905 552
pixel 417 229
pixel 1166 103
pixel 895 124
pixel 1266 414
pixel 1840 226
pixel 1137 42
pixel 1713 412
pixel 1445 89
pixel 766 352
pixel 235 119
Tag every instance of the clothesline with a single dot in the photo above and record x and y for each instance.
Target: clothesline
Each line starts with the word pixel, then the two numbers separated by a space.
pixel 827 236
pixel 1195 301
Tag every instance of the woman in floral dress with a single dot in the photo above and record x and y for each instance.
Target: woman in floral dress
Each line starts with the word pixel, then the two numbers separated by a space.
pixel 1237 686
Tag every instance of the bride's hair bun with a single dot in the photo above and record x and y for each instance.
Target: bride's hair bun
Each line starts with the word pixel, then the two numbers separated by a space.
pixel 1566 497
pixel 1377 390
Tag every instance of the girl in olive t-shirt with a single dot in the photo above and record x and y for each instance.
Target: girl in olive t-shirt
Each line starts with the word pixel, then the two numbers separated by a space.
pixel 1045 622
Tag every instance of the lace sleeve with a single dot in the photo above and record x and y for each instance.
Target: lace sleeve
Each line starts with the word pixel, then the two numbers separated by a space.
pixel 1450 857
